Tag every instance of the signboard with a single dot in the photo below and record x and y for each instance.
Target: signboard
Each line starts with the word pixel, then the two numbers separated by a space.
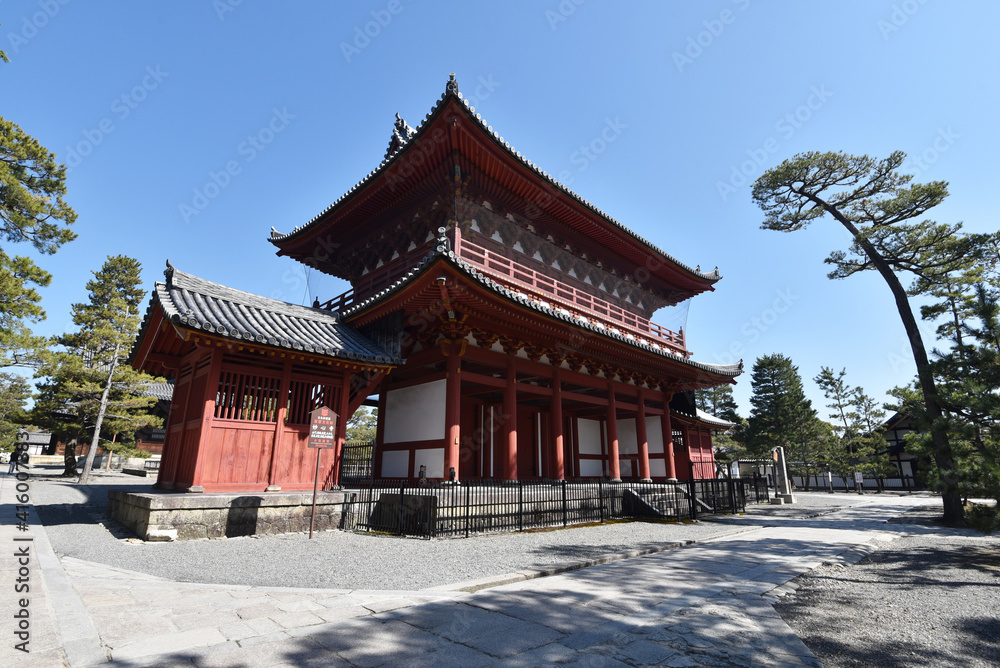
pixel 859 477
pixel 322 428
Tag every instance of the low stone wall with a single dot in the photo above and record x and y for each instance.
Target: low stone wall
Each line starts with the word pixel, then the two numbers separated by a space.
pixel 180 516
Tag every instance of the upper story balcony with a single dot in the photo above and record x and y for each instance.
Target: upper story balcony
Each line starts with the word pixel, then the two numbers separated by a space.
pixel 542 288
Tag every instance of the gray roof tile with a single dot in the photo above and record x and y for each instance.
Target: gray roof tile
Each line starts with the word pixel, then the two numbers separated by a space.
pixel 193 302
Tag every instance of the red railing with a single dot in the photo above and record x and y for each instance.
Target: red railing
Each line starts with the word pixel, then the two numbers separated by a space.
pixel 577 302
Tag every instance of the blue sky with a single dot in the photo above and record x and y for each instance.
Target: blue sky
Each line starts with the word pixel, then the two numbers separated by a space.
pixel 191 128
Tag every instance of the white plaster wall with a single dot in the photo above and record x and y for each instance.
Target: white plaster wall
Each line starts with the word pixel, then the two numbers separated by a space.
pixel 590 439
pixel 433 459
pixel 654 435
pixel 415 413
pixel 591 468
pixel 396 464
pixel 625 468
pixel 628 442
pixel 657 468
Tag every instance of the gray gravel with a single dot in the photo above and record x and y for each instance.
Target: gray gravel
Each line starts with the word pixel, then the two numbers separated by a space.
pixel 930 598
pixel 76 526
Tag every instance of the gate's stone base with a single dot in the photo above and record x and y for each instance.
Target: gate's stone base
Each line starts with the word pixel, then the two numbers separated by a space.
pixel 165 517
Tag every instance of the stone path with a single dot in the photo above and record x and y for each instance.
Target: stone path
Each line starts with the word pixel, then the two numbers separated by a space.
pixel 705 604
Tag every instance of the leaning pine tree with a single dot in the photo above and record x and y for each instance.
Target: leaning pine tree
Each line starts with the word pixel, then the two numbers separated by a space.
pixel 877 205
pixel 87 385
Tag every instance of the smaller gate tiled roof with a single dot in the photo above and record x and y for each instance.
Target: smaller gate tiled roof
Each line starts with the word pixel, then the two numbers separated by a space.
pixel 194 303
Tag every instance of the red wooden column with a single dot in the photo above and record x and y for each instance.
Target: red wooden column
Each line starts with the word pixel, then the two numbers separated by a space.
pixel 207 415
pixel 614 466
pixel 668 439
pixel 453 410
pixel 279 427
pixel 343 405
pixel 687 446
pixel 558 464
pixel 642 438
pixel 509 447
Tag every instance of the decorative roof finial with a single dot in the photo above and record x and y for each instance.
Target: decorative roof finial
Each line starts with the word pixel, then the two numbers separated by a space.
pixel 169 271
pixel 452 86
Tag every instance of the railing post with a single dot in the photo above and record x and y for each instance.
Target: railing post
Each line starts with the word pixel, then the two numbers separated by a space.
pixel 692 498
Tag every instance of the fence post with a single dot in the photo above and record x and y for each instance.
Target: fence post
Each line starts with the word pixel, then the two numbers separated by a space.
pixel 468 510
pixel 399 515
pixel 565 508
pixel 692 498
pixel 600 499
pixel 520 506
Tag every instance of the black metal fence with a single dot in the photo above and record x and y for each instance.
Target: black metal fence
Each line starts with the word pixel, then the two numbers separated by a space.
pixel 406 508
pixel 356 464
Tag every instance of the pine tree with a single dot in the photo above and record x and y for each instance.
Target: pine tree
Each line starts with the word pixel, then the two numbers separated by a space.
pixel 86 380
pixel 718 401
pixel 780 412
pixel 877 205
pixel 32 210
pixel 14 394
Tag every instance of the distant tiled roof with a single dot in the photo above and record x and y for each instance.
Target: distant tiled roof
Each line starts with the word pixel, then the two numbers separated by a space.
pixel 713 420
pixel 403 134
pixel 161 391
pixel 39 438
pixel 442 250
pixel 193 302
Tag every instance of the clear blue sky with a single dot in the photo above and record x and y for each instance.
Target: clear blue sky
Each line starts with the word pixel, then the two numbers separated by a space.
pixel 146 101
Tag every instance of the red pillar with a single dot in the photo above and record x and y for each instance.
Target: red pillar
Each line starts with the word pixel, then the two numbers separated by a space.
pixel 279 427
pixel 614 466
pixel 208 413
pixel 342 417
pixel 641 437
pixel 558 464
pixel 687 446
pixel 453 409
pixel 509 447
pixel 668 440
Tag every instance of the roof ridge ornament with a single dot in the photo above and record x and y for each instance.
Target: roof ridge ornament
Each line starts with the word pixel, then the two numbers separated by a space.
pixel 168 273
pixel 452 86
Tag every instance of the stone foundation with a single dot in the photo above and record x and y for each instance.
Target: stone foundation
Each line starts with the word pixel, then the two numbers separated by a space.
pixel 166 516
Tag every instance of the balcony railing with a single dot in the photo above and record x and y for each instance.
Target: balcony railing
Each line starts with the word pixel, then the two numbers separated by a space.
pixel 547 290
pixel 578 303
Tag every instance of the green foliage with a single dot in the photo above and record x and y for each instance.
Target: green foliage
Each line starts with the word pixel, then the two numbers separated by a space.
pixel 877 205
pixel 718 401
pixel 781 414
pixel 858 421
pixel 85 384
pixel 14 394
pixel 32 210
pixel 362 425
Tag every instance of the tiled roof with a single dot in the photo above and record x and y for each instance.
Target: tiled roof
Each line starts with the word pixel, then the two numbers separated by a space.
pixel 161 391
pixel 402 138
pixel 711 419
pixel 198 304
pixel 442 250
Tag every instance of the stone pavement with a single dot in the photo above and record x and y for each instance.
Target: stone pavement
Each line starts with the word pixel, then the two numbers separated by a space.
pixel 707 604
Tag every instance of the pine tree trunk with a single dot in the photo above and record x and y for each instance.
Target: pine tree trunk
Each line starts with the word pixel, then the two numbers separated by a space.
pixel 954 511
pixel 89 463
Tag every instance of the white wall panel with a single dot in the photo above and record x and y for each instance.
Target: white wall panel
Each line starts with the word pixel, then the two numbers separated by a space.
pixel 654 434
pixel 415 413
pixel 396 464
pixel 590 439
pixel 433 459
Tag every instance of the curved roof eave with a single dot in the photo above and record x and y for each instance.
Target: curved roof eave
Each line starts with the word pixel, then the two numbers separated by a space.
pixel 726 370
pixel 451 92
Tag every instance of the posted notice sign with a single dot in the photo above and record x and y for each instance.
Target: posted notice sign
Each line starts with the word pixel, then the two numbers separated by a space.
pixel 322 428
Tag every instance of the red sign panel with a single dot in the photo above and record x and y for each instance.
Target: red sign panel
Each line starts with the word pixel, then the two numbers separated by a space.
pixel 322 428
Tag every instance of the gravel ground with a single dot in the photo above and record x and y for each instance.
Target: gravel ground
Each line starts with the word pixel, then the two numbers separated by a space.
pixel 77 527
pixel 930 598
